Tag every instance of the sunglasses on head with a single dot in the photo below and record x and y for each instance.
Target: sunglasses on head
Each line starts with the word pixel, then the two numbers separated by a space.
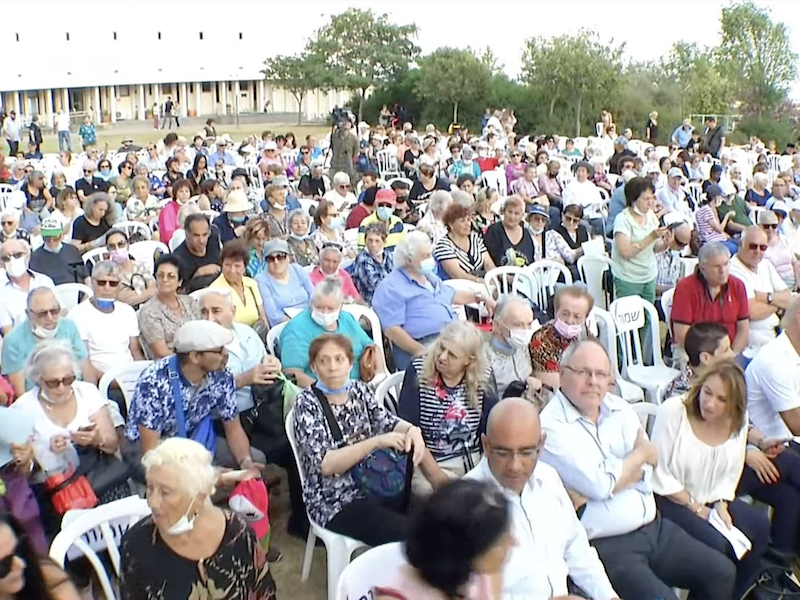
pixel 277 257
pixel 762 247
pixel 55 383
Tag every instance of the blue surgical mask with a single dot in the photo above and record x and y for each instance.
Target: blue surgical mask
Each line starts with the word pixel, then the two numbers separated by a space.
pixel 105 172
pixel 237 219
pixel 330 391
pixel 298 236
pixel 384 213
pixel 104 303
pixel 55 250
pixel 427 266
pixel 336 223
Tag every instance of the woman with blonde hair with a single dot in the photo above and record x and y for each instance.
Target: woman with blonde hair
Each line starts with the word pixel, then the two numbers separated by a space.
pixel 446 394
pixel 256 234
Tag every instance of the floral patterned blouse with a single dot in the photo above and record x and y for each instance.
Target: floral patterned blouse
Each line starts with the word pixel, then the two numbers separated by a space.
pixel 303 252
pixel 151 570
pixel 158 322
pixel 360 418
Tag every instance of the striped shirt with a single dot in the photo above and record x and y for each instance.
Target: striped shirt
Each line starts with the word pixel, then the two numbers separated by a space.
pixel 469 260
pixel 705 216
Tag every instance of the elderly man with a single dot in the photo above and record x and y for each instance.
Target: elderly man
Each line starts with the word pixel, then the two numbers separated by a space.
pixel 678 236
pixel 620 151
pixel 10 220
pixel 15 282
pixel 780 191
pixel 732 202
pixel 44 322
pixel 61 262
pixel 412 302
pixel 221 155
pixel 672 196
pixel 773 385
pixel 109 328
pixel 572 306
pixel 546 531
pixel 199 254
pixel 89 183
pixel 597 445
pixel 507 349
pixel 711 293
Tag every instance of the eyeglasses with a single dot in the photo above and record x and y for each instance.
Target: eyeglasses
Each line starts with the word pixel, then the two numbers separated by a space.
pixel 277 257
pixel 53 312
pixel 304 152
pixel 770 225
pixel 8 222
pixel 117 246
pixel 524 453
pixel 55 383
pixel 569 219
pixel 588 373
pixel 87 171
pixel 13 255
pixel 6 563
pixel 106 282
pixel 762 247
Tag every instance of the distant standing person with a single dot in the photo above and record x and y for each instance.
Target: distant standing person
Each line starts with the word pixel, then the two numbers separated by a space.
pixel 11 131
pixel 87 133
pixel 651 129
pixel 156 114
pixel 62 128
pixel 174 114
pixel 35 134
pixel 167 113
pixel 713 137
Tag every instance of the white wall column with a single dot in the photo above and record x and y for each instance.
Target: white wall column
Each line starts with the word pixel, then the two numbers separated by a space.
pixel 98 113
pixel 260 96
pixel 223 97
pixel 198 97
pixel 184 100
pixel 142 108
pixel 50 107
pixel 20 101
pixel 112 93
pixel 65 100
pixel 237 97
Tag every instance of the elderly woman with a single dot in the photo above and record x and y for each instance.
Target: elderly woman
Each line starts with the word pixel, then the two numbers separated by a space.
pixel 701 441
pixel 461 253
pixel 431 223
pixel 547 244
pixel 324 315
pixel 136 283
pixel 162 315
pixel 510 236
pixel 68 208
pixel 637 237
pixel 277 217
pixel 9 219
pixel 232 222
pixel 284 286
pixel 330 259
pixel 340 194
pixel 69 417
pixel 331 491
pixel 412 302
pixel 142 205
pixel 256 234
pixel 58 182
pixel 330 227
pixel 446 394
pixel 161 553
pixel 779 252
pixel 89 230
pixel 302 248
pixel 373 263
pixel 758 194
pixel 244 290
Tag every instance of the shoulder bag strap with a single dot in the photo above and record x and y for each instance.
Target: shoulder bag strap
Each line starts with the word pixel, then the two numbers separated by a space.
pixel 336 431
pixel 177 396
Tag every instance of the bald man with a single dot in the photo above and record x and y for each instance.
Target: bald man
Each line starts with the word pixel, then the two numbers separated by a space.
pixel 551 544
pixel 597 445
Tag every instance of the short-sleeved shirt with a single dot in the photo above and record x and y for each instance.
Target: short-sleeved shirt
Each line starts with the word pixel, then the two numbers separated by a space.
pixel 278 296
pixel 773 386
pixel 108 335
pixel 740 215
pixel 395 231
pixel 83 231
pixel 153 404
pixel 706 216
pixel 421 310
pixel 497 244
pixel 190 263
pixel 348 287
pixel 245 352
pixel 157 322
pixel 693 303
pixel 547 347
pixel 298 334
pixel 19 343
pixel 360 418
pixel 14 300
pixel 642 267
pixel 469 260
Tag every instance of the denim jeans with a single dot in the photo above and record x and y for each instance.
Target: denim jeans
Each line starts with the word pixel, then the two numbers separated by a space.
pixel 64 141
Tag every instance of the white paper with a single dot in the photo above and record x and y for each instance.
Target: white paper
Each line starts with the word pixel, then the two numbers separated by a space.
pixel 594 247
pixel 16 427
pixel 738 540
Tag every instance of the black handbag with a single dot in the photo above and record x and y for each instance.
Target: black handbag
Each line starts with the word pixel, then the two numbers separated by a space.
pixel 104 471
pixel 774 583
pixel 265 419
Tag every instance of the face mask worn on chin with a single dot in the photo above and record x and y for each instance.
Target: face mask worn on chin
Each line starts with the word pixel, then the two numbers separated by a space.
pixel 427 266
pixel 184 524
pixel 639 212
pixel 104 303
pixel 330 391
pixel 384 213
pixel 55 250
pixel 298 236
pixel 278 206
pixel 324 319
pixel 568 331
pixel 43 333
pixel 120 256
pixel 536 231
pixel 16 267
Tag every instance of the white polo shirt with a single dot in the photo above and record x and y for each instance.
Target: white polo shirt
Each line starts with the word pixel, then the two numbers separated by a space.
pixel 773 386
pixel 764 279
pixel 551 543
pixel 14 299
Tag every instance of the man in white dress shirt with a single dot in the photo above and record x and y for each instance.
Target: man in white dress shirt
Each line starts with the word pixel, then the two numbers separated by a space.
pixel 551 543
pixel 597 445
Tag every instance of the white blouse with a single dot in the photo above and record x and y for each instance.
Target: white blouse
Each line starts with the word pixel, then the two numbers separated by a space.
pixel 708 473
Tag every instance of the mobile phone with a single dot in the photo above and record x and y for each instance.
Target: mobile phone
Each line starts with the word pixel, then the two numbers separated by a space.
pixel 87 427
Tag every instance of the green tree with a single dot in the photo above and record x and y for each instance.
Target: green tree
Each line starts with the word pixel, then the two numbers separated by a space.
pixel 576 69
pixel 453 76
pixel 699 77
pixel 299 75
pixel 758 56
pixel 363 49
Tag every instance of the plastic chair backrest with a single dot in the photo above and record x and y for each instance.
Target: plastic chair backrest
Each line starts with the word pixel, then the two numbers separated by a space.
pixel 273 334
pixel 502 280
pixel 388 391
pixel 377 566
pixel 92 257
pixel 630 314
pixel 131 227
pixel 666 305
pixel 145 252
pixel 363 312
pixel 646 411
pixel 68 294
pixel 126 377
pixel 591 270
pixel 547 274
pixel 293 443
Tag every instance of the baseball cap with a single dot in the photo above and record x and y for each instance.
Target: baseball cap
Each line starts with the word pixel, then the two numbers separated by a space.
pixel 539 210
pixel 201 336
pixel 386 196
pixel 621 141
pixel 713 191
pixel 51 228
pixel 674 172
pixel 281 181
pixel 250 501
pixel 276 247
pixel 727 187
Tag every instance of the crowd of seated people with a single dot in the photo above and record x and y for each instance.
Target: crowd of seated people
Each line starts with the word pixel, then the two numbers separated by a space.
pixel 530 409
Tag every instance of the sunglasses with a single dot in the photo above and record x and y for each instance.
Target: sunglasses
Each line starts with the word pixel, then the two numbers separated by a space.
pixel 305 152
pixel 53 312
pixel 87 171
pixel 277 257
pixel 106 282
pixel 8 222
pixel 11 256
pixel 6 564
pixel 770 225
pixel 116 246
pixel 762 247
pixel 55 383
pixel 569 219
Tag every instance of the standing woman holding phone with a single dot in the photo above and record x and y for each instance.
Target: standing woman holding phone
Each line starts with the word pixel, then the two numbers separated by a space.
pixel 637 237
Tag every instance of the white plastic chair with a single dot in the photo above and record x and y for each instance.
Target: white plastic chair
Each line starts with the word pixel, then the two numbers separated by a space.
pixel 666 305
pixel 388 391
pixel 351 237
pixel 339 547
pixel 145 251
pixel 592 270
pixel 503 280
pixel 375 567
pixel 695 192
pixel 688 265
pixel 607 335
pixel 646 410
pixel 547 273
pixel 95 530
pixel 273 334
pixel 363 312
pixel 69 294
pixel 629 315
pixel 211 214
pixel 132 227
pixel 92 257
pixel 126 376
pixel 469 286
pixel 5 195
pixel 387 164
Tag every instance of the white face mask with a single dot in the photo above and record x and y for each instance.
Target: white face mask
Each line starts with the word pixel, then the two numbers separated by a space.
pixel 324 319
pixel 520 338
pixel 639 212
pixel 184 524
pixel 42 333
pixel 16 267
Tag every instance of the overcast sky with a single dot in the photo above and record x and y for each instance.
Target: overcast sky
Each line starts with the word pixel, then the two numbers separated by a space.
pixel 648 27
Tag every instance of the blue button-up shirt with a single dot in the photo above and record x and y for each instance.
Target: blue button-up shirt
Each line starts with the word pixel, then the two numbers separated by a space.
pixel 615 206
pixel 246 351
pixel 221 156
pixel 589 457
pixel 420 310
pixel 683 136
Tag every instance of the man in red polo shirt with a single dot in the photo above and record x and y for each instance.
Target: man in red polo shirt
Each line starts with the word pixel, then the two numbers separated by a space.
pixel 712 294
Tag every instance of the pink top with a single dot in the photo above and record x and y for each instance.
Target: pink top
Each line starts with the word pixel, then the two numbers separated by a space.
pixel 168 221
pixel 348 288
pixel 781 257
pixel 407 586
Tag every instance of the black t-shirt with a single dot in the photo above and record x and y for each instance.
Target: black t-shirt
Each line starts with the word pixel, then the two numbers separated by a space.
pixel 497 243
pixel 419 192
pixel 653 131
pixel 64 266
pixel 309 186
pixel 83 231
pixel 191 263
pixel 713 140
pixel 90 187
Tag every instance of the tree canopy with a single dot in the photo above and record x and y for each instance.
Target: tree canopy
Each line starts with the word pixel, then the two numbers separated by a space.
pixel 299 75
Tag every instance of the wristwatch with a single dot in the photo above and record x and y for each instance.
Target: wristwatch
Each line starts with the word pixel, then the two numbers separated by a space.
pixel 769 297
